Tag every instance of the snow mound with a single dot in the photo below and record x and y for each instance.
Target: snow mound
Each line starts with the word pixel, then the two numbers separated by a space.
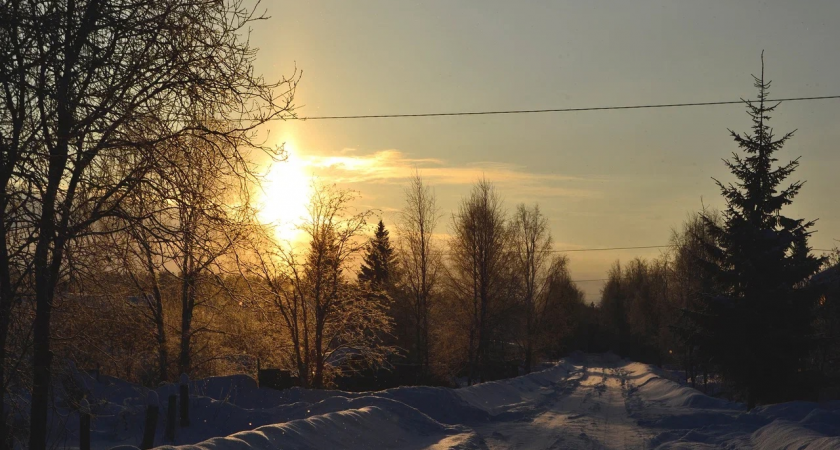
pixel 785 434
pixel 391 426
pixel 441 404
pixel 668 393
pixel 496 397
pixel 653 386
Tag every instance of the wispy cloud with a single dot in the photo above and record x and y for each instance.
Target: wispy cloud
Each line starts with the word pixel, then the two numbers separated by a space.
pixel 393 166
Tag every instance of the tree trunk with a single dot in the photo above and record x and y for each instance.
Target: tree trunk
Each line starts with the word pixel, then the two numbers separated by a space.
pixel 41 354
pixel 187 304
pixel 318 378
pixel 46 268
pixel 163 356
pixel 6 299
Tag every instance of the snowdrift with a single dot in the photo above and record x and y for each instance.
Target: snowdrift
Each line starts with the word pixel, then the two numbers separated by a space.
pixel 386 426
pixel 654 386
pixel 406 417
pixel 233 413
pixel 508 396
pixel 697 421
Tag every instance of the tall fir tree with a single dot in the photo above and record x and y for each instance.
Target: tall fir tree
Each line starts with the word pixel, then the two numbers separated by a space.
pixel 757 327
pixel 378 263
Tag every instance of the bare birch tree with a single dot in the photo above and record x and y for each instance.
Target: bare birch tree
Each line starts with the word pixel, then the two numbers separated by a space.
pixel 419 260
pixel 478 255
pixel 531 248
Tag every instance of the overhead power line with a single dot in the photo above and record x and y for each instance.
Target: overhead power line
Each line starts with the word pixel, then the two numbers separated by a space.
pixel 601 249
pixel 526 111
pixel 594 249
pixel 552 110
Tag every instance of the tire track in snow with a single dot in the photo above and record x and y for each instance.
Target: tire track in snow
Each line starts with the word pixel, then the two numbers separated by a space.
pixel 588 413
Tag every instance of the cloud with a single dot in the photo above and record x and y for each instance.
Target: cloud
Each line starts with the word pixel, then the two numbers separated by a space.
pixel 394 167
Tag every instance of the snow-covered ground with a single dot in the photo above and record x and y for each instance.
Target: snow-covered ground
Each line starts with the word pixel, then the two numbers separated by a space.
pixel 585 402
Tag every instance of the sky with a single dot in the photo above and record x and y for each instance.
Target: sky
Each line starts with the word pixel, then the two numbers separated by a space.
pixel 604 179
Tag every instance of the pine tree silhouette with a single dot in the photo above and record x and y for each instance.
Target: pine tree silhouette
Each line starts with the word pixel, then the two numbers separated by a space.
pixel 757 328
pixel 378 261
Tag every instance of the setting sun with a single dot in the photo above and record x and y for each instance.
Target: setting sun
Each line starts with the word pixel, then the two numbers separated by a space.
pixel 285 194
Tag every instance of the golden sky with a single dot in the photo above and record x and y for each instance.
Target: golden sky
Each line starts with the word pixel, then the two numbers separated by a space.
pixel 605 179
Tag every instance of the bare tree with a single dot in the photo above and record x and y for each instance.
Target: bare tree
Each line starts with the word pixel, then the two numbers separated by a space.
pixel 419 260
pixel 137 249
pixel 101 83
pixel 560 311
pixel 690 281
pixel 478 248
pixel 209 219
pixel 531 246
pixel 18 139
pixel 330 320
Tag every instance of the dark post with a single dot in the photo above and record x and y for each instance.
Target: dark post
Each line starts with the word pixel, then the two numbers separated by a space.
pixel 152 412
pixel 84 425
pixel 185 400
pixel 10 431
pixel 171 414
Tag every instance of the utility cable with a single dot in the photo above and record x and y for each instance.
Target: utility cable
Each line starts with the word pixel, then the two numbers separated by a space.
pixel 551 110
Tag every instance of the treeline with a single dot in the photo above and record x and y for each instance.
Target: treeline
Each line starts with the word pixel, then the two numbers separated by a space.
pixel 645 302
pixel 490 299
pixel 487 301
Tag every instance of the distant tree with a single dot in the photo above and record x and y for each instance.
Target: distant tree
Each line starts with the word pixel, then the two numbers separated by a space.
pixel 614 305
pixel 690 283
pixel 135 249
pixel 378 260
pixel 561 314
pixel 209 210
pixel 827 320
pixel 331 323
pixel 420 262
pixel 634 303
pixel 480 263
pixel 758 328
pixel 531 247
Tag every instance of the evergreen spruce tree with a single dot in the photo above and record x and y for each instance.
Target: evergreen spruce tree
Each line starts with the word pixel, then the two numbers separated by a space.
pixel 757 328
pixel 377 266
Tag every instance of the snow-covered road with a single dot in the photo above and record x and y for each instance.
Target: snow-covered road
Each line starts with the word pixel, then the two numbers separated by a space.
pixel 589 411
pixel 585 402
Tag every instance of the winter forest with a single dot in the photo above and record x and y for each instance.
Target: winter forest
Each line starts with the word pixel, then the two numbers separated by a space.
pixel 132 250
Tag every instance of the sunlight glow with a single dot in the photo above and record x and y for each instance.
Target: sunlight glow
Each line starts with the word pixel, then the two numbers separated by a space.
pixel 285 195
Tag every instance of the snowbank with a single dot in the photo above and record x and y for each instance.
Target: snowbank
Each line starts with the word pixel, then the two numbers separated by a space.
pixel 697 421
pixel 653 386
pixel 233 413
pixel 394 426
pixel 507 396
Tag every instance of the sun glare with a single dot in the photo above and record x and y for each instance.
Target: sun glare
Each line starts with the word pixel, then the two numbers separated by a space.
pixel 285 194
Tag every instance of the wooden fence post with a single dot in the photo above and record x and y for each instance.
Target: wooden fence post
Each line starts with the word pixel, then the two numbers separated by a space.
pixel 84 425
pixel 185 400
pixel 152 412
